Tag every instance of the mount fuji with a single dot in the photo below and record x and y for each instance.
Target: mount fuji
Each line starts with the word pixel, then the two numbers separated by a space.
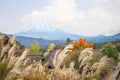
pixel 47 31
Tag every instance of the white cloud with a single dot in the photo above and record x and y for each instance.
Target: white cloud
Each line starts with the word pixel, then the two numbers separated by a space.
pixel 64 14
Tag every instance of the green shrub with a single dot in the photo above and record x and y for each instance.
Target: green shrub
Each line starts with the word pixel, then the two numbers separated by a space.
pixel 111 51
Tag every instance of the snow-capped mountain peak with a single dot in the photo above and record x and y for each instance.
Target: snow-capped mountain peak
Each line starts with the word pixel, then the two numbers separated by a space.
pixel 40 27
pixel 47 31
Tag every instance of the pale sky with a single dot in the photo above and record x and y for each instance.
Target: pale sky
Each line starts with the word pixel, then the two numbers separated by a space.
pixel 82 17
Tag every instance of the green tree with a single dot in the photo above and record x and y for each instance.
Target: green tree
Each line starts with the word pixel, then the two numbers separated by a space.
pixel 51 47
pixel 68 40
pixel 34 48
pixel 111 51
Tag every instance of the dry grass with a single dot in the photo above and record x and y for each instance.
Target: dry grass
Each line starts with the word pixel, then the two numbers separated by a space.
pixel 76 65
pixel 85 65
pixel 38 72
pixel 3 69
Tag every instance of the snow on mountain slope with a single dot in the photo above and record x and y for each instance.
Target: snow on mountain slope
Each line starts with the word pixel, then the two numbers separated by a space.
pixel 47 31
pixel 40 27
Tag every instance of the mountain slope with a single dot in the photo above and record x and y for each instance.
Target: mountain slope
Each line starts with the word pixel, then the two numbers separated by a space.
pixel 49 32
pixel 27 41
pixel 50 35
pixel 101 38
pixel 46 31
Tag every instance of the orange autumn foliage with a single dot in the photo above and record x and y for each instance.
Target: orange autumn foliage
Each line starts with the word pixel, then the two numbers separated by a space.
pixel 81 44
pixel 90 45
